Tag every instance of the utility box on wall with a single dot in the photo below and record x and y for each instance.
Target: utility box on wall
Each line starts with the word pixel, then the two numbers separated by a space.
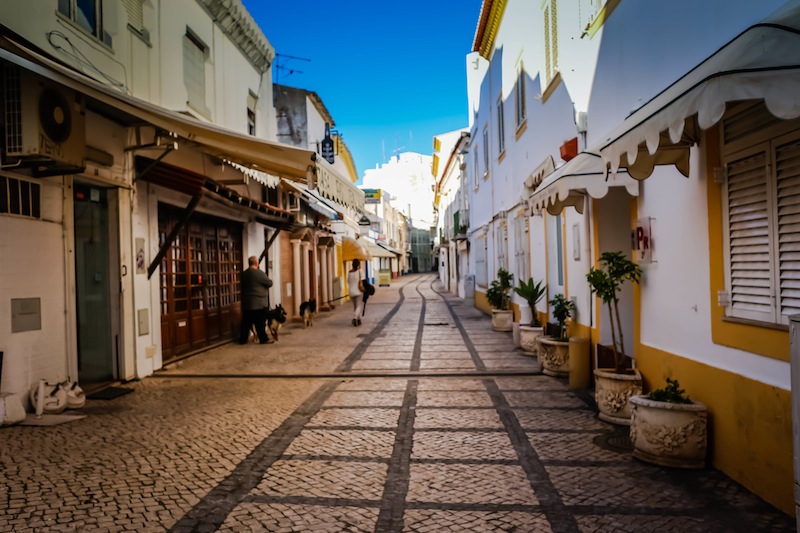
pixel 26 314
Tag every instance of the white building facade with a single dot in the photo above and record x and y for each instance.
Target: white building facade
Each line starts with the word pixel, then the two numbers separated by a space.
pixel 633 127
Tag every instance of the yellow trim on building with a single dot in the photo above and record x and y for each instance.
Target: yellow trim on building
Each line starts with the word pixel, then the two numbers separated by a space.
pixel 492 24
pixel 344 154
pixel 482 303
pixel 763 340
pixel 551 87
pixel 521 129
pixel 600 19
pixel 750 423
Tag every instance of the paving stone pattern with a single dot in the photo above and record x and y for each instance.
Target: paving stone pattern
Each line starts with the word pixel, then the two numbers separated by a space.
pixel 423 419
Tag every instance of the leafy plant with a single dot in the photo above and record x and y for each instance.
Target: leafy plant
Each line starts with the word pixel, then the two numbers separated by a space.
pixel 497 293
pixel 532 293
pixel 562 310
pixel 606 281
pixel 671 393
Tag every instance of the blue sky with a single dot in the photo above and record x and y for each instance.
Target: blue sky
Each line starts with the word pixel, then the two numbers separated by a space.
pixel 392 74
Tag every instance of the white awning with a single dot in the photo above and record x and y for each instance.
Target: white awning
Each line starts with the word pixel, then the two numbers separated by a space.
pixel 270 157
pixel 569 183
pixel 315 203
pixel 377 251
pixel 389 248
pixel 334 186
pixel 763 62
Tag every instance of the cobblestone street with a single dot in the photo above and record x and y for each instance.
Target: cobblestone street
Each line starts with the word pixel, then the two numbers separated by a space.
pixel 422 419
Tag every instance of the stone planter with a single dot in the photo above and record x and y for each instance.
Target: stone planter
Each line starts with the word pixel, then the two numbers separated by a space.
pixel 527 338
pixel 669 434
pixel 613 391
pixel 502 319
pixel 554 356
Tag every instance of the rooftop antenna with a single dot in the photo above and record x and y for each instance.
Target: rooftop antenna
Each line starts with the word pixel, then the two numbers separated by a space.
pixel 281 64
pixel 398 148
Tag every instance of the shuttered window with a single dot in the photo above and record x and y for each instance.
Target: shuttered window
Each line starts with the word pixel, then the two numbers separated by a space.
pixel 135 14
pixel 194 71
pixel 762 216
pixel 521 247
pixel 787 173
pixel 481 272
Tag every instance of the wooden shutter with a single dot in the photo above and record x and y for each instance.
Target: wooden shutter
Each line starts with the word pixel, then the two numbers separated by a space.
pixel 787 171
pixel 749 243
pixel 135 15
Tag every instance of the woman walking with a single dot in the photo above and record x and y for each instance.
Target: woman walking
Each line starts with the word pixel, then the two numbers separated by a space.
pixel 354 285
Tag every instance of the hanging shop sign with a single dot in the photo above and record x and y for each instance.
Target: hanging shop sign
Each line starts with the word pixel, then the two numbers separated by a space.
pixel 327 144
pixel 643 241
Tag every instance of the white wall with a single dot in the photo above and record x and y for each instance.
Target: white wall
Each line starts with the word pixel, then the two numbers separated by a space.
pixel 33 263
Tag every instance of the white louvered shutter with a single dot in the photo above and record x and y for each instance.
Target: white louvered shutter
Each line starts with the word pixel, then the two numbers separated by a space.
pixel 787 171
pixel 750 278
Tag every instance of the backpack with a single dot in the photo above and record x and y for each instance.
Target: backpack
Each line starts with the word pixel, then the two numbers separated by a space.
pixel 369 288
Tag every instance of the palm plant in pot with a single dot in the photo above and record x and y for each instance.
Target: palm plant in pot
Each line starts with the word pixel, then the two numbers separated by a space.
pixel 532 293
pixel 614 386
pixel 668 428
pixel 497 294
pixel 554 350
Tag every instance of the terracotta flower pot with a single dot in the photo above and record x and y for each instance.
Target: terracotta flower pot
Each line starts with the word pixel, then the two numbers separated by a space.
pixel 669 434
pixel 612 393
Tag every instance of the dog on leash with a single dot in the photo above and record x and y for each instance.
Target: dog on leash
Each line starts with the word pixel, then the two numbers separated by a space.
pixel 307 311
pixel 275 317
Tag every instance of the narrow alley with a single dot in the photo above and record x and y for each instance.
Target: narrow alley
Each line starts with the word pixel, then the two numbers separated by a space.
pixel 422 419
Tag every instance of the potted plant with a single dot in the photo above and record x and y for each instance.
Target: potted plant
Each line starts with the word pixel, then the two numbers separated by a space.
pixel 554 350
pixel 497 294
pixel 668 428
pixel 614 386
pixel 532 293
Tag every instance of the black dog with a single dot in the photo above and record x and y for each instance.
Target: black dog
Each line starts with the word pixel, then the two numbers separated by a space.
pixel 307 311
pixel 275 317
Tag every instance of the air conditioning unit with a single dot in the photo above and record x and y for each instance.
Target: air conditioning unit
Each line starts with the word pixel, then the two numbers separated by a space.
pixel 44 124
pixel 292 202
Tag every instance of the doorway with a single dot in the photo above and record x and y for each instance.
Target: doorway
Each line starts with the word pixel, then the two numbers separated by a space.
pixel 94 283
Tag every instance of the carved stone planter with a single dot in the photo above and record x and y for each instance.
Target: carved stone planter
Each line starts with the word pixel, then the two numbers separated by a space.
pixel 669 434
pixel 554 356
pixel 502 319
pixel 612 393
pixel 527 338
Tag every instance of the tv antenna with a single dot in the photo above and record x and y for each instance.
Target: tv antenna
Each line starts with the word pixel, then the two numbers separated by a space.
pixel 283 64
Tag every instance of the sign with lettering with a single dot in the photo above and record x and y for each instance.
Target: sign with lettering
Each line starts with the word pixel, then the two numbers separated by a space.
pixel 372 196
pixel 643 240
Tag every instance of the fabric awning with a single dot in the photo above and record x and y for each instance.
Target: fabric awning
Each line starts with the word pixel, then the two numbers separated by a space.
pixel 388 248
pixel 354 249
pixel 315 203
pixel 335 187
pixel 763 62
pixel 270 157
pixel 378 251
pixel 581 175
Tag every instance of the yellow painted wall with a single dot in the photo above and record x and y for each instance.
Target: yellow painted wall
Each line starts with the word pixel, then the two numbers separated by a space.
pixel 482 303
pixel 750 423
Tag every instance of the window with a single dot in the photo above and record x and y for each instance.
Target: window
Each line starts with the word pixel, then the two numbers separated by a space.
pixel 194 71
pixel 481 272
pixel 519 101
pixel 135 13
pixel 19 197
pixel 559 251
pixel 485 153
pixel 252 100
pixel 550 41
pixel 501 135
pixel 761 200
pixel 521 246
pixel 502 246
pixel 88 14
pixel 475 161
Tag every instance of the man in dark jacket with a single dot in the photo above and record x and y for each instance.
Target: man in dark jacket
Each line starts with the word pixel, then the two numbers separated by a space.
pixel 255 285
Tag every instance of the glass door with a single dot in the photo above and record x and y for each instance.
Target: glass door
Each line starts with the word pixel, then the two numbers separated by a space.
pixel 93 286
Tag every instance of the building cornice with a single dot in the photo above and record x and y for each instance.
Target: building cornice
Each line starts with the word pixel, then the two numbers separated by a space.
pixel 488 24
pixel 240 27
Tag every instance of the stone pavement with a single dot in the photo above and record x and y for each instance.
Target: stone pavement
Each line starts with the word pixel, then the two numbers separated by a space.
pixel 422 419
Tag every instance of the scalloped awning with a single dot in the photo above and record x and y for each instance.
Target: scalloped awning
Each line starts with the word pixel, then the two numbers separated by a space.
pixel 763 62
pixel 568 184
